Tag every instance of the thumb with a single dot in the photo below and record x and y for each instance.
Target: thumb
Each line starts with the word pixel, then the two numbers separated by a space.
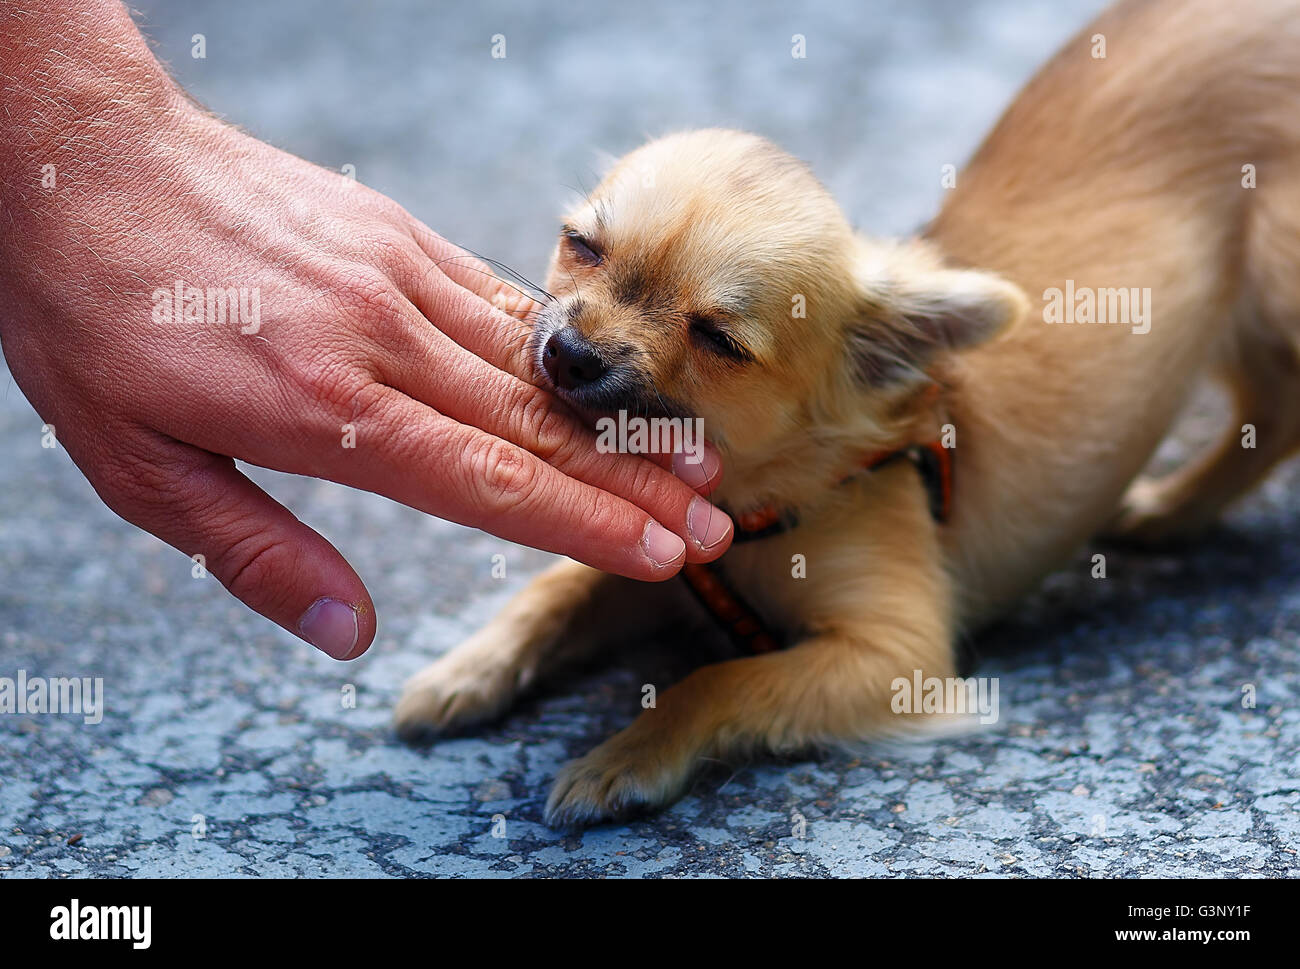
pixel 201 504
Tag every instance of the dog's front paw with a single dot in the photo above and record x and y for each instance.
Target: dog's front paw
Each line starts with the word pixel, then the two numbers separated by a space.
pixel 453 694
pixel 622 776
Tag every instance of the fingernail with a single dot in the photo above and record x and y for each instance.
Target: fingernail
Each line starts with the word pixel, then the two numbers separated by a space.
pixel 707 523
pixel 697 468
pixel 663 547
pixel 331 626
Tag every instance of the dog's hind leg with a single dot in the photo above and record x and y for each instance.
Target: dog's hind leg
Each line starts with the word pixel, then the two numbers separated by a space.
pixel 1261 368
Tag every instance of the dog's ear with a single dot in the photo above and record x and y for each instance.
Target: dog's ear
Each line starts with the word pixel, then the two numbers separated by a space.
pixel 912 310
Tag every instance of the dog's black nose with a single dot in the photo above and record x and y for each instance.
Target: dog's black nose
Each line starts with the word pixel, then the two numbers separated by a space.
pixel 571 361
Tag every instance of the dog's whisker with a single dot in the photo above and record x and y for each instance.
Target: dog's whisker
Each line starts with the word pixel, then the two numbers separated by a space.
pixel 503 282
pixel 513 273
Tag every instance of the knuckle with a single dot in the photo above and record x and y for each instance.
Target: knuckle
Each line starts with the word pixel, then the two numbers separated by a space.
pixel 502 477
pixel 647 479
pixel 599 510
pixel 387 257
pixel 249 567
pixel 546 431
pixel 367 296
pixel 397 252
pixel 338 384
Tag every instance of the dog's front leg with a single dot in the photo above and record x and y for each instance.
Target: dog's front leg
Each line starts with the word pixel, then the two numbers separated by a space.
pixel 832 688
pixel 563 614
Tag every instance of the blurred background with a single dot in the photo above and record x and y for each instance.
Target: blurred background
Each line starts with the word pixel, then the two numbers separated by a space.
pixel 1120 699
pixel 489 150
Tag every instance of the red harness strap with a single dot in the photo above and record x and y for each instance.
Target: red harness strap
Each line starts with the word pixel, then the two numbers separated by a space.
pixel 742 624
pixel 730 611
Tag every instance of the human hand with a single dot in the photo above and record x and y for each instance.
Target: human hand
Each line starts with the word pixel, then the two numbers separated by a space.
pixel 365 350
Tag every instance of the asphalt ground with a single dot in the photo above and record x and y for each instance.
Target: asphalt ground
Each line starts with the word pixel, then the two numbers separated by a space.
pixel 229 749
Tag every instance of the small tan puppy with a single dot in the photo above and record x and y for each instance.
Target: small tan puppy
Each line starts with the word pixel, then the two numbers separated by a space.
pixel 1157 187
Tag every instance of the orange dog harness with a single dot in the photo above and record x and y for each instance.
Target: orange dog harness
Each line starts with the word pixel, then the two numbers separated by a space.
pixel 746 629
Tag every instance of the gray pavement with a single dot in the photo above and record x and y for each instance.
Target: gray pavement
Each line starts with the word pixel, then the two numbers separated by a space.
pixel 230 749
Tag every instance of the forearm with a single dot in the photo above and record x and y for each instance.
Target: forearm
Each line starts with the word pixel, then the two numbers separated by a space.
pixel 80 92
pixel 79 61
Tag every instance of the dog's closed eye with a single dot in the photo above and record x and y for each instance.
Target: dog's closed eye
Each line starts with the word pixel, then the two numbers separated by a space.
pixel 582 248
pixel 712 336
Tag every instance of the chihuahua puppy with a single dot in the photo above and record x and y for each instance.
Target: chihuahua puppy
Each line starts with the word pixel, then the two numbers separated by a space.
pixel 1148 177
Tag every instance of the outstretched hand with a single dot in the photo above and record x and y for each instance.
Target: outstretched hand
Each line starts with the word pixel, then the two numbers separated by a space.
pixel 348 342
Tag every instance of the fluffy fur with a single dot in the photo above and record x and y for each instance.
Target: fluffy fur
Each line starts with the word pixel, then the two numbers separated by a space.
pixel 1125 171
